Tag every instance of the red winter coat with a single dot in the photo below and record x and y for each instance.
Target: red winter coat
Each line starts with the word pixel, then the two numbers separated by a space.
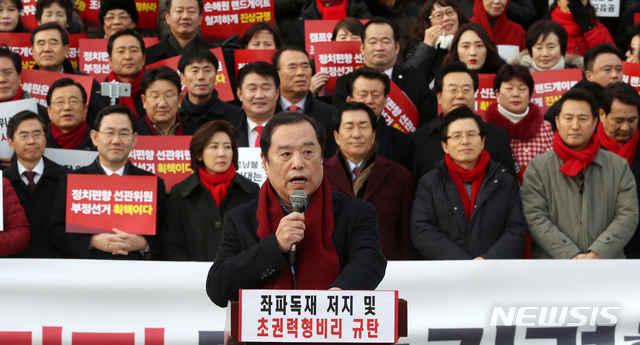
pixel 17 233
pixel 577 41
pixel 504 31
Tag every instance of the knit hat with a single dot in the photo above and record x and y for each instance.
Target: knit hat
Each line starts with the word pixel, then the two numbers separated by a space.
pixel 127 5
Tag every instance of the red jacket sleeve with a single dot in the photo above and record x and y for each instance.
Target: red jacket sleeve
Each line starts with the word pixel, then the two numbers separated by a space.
pixel 599 34
pixel 17 232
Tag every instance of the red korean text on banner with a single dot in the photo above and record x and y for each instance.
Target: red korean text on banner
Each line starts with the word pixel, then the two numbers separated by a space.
pixel 400 111
pixel 148 13
pixel 37 83
pixel 166 157
pixel 28 14
pixel 223 84
pixel 336 59
pixel 94 58
pixel 223 18
pixel 19 43
pixel 484 94
pixel 631 74
pixel 551 85
pixel 98 203
pixel 317 31
pixel 245 56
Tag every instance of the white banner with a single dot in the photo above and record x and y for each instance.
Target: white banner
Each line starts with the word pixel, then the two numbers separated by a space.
pixel 576 302
pixel 7 110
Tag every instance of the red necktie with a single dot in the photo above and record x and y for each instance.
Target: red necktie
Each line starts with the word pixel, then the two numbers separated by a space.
pixel 294 107
pixel 259 129
pixel 30 177
pixel 356 170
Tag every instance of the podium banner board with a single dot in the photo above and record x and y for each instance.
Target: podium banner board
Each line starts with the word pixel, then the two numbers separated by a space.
pixel 98 203
pixel 305 316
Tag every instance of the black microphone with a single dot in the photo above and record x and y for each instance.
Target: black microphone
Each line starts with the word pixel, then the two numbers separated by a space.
pixel 298 200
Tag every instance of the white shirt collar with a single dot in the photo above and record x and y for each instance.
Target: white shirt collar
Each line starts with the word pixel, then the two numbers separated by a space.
pixel 38 169
pixel 285 104
pixel 389 72
pixel 109 172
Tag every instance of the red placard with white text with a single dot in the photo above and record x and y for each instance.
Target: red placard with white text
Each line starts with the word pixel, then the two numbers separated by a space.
pixel 400 111
pixel 168 157
pixel 316 31
pixel 147 13
pixel 21 44
pixel 98 203
pixel 551 85
pixel 223 84
pixel 223 18
pixel 245 56
pixel 28 14
pixel 631 74
pixel 94 59
pixel 484 94
pixel 37 83
pixel 336 59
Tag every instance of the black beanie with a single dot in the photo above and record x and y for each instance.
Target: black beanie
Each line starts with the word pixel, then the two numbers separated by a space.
pixel 127 5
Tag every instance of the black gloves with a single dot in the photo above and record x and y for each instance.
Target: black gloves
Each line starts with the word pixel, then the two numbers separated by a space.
pixel 582 15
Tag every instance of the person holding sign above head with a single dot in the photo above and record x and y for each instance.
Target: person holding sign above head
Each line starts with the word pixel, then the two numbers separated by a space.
pixel 380 48
pixel 114 136
pixel 68 112
pixel 357 171
pixel 546 48
pixel 298 234
pixel 126 57
pixel 184 18
pixel 34 178
pixel 117 15
pixel 579 200
pixel 198 68
pixel 578 17
pixel 468 207
pixel 197 205
pixel 294 70
pixel 258 90
pixel 455 86
pixel 160 93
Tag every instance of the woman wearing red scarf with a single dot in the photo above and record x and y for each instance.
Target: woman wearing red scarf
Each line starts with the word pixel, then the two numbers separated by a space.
pixel 469 206
pixel 618 127
pixel 197 205
pixel 578 18
pixel 492 15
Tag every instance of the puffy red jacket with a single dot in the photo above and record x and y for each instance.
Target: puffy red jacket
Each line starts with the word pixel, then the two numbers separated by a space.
pixel 17 232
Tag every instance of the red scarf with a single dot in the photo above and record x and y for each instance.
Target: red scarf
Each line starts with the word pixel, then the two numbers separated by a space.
pixel 18 95
pixel 337 10
pixel 626 150
pixel 504 31
pixel 575 161
pixel 475 176
pixel 217 184
pixel 317 265
pixel 135 92
pixel 70 140
pixel 567 21
pixel 179 130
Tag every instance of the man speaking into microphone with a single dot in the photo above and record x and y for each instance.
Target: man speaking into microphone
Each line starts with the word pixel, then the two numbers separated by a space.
pixel 336 238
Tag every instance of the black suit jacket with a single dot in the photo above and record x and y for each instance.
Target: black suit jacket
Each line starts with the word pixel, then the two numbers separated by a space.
pixel 245 262
pixel 37 205
pixel 413 83
pixel 73 245
pixel 240 128
pixel 427 148
pixel 164 50
pixel 142 128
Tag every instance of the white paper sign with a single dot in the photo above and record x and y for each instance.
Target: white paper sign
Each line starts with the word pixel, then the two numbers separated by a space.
pixel 606 8
pixel 303 316
pixel 72 159
pixel 250 164
pixel 7 110
pixel 506 51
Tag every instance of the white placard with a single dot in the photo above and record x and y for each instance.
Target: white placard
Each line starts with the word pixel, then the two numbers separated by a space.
pixel 304 316
pixel 7 110
pixel 72 159
pixel 606 8
pixel 250 164
pixel 506 51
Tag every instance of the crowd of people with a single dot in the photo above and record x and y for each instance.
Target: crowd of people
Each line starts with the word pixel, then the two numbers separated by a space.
pixel 514 183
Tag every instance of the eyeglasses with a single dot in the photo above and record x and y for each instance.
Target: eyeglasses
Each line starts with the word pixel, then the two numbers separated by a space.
pixel 457 137
pixel 465 90
pixel 24 136
pixel 73 102
pixel 121 17
pixel 440 15
pixel 110 134
pixel 156 98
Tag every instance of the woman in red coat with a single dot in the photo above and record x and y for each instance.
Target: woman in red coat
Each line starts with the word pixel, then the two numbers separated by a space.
pixel 578 18
pixel 492 15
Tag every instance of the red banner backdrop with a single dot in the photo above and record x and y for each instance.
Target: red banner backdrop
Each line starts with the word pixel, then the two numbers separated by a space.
pixel 631 74
pixel 400 111
pixel 94 58
pixel 98 203
pixel 336 59
pixel 484 95
pixel 223 18
pixel 37 83
pixel 147 13
pixel 245 56
pixel 167 157
pixel 551 85
pixel 28 14
pixel 317 31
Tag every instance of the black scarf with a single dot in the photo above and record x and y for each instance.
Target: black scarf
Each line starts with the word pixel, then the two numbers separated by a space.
pixel 196 114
